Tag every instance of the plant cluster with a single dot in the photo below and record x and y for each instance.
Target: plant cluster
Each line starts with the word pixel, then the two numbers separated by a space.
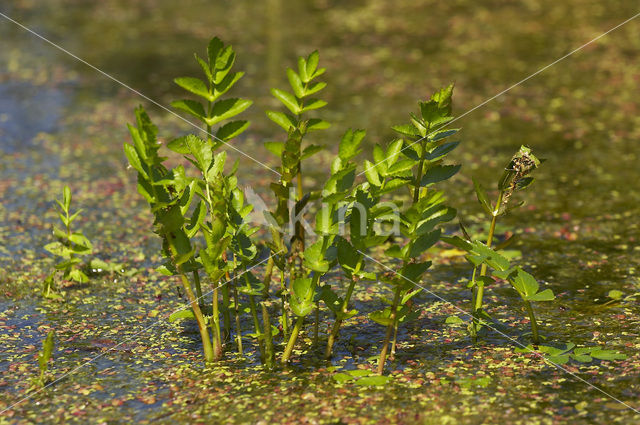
pixel 201 216
pixel 70 246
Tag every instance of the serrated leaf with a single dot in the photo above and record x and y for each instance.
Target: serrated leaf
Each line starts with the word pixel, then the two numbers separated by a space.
pixel 191 107
pixel 195 86
pixel 371 174
pixel 227 108
pixel 438 173
pixel 231 129
pixel 350 144
pixel 287 100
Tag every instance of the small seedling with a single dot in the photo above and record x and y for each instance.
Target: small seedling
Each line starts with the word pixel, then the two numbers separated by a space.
pixel 69 247
pixel 515 177
pixel 43 360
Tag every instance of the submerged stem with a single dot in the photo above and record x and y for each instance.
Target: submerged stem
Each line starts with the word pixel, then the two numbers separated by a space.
pixel 385 344
pixel 534 324
pixel 333 336
pixel 204 333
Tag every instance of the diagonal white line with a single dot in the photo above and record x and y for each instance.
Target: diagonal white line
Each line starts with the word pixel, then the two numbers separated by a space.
pixel 134 90
pixel 544 68
pixel 501 333
pixel 75 369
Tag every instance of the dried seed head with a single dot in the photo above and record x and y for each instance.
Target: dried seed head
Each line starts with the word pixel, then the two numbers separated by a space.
pixel 522 163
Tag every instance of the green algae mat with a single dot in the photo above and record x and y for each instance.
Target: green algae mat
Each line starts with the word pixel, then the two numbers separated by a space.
pixel 119 353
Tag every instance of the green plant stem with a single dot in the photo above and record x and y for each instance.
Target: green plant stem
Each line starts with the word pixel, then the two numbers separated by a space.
pixel 392 317
pixel 237 315
pixel 226 311
pixel 267 277
pixel 285 315
pixel 292 340
pixel 333 336
pixel 215 325
pixel 204 333
pixel 299 322
pixel 256 324
pixel 477 307
pixel 423 145
pixel 534 324
pixel 269 355
pixel 316 325
pixel 196 281
pixel 393 341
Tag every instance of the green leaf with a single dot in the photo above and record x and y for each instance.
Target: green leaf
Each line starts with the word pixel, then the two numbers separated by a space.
pixel 440 151
pixel 275 148
pixel 546 295
pixel 438 173
pixel 205 67
pixel 314 104
pixel 227 82
pixel 601 354
pixel 231 129
pixel 285 121
pixel 314 257
pixel 179 145
pixel 423 243
pixel 524 283
pixel 615 294
pixel 302 70
pixel 454 320
pixel 371 174
pixel 78 276
pixel 296 83
pixel 47 350
pixel 201 151
pixel 66 197
pixel 195 86
pixel 287 100
pixel 341 378
pixel 315 88
pixel 407 130
pixel 311 150
pixel 482 196
pixel 350 144
pixel 373 381
pixel 348 257
pixel 227 108
pixel 312 65
pixel 134 160
pixel 381 317
pixel 191 107
pixel 182 314
pixel 317 124
pixel 213 49
pixel 400 167
pixel 302 296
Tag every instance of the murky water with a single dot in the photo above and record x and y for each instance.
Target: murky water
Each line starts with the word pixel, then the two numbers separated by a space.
pixel 62 122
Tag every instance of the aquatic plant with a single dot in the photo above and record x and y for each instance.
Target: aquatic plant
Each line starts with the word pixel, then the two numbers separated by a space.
pixel 201 215
pixel 514 178
pixel 415 160
pixel 69 247
pixel 43 360
pixel 322 255
pixel 287 232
